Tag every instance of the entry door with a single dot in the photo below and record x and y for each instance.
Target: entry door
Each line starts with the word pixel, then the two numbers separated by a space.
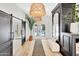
pixel 5 40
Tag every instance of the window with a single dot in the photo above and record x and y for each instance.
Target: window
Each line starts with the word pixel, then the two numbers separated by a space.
pixel 39 30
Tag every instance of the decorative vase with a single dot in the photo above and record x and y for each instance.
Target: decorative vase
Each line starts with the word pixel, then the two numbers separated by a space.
pixel 74 28
pixel 30 38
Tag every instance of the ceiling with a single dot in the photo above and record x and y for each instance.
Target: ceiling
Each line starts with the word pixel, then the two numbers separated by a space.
pixel 26 7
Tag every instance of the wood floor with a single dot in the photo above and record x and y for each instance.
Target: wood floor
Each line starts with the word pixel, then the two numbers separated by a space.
pixel 28 49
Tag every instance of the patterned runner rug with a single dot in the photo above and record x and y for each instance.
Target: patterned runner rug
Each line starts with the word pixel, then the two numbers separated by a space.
pixel 38 48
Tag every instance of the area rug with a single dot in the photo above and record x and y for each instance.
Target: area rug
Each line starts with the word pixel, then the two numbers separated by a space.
pixel 38 48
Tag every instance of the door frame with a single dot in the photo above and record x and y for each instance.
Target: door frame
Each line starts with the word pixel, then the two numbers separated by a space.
pixel 23 26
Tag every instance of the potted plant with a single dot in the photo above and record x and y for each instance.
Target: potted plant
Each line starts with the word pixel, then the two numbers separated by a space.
pixel 75 12
pixel 74 27
pixel 31 24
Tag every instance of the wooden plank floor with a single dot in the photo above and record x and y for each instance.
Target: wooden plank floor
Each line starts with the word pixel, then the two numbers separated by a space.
pixel 28 48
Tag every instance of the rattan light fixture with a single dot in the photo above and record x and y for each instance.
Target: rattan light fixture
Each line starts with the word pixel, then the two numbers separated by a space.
pixel 37 10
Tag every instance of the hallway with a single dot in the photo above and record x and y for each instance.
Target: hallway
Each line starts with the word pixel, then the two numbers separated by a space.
pixel 37 47
pixel 41 29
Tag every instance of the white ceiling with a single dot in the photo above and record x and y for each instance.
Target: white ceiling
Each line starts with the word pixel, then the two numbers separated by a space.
pixel 26 7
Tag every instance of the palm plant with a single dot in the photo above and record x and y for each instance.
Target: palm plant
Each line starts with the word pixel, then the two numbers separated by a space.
pixel 31 24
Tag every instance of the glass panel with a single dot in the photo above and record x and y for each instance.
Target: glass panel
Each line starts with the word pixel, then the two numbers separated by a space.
pixel 39 30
